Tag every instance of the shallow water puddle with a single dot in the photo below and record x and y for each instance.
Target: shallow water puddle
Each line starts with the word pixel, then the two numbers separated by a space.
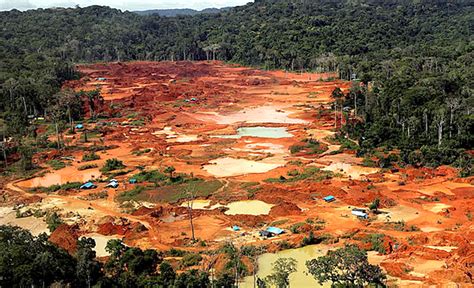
pixel 227 166
pixel 201 204
pixel 248 207
pixel 61 177
pixel 262 114
pixel 297 279
pixel 259 131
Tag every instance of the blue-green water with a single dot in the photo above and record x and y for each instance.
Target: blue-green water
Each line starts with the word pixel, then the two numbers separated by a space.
pixel 262 132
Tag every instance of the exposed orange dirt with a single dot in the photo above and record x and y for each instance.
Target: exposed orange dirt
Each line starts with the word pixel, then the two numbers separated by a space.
pixel 183 114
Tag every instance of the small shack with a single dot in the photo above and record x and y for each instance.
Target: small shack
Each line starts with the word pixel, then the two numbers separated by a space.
pixel 88 185
pixel 79 126
pixel 329 198
pixel 271 232
pixel 360 213
pixel 132 181
pixel 113 183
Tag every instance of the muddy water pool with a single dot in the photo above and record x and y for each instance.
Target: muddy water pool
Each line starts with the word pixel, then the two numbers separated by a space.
pixel 259 131
pixel 297 279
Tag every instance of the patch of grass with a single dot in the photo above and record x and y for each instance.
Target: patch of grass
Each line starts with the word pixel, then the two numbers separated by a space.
pixel 87 166
pixel 54 188
pixel 346 144
pixel 310 173
pixel 296 163
pixel 246 185
pixel 279 222
pixel 56 164
pixel 97 148
pixel 400 226
pixel 114 174
pixel 90 157
pixel 171 193
pixel 175 193
pixel 54 221
pixel 190 259
pixel 141 152
pixel 367 162
pixel 295 228
pixel 95 196
pixel 137 123
pixel 311 146
pixel 112 164
pixel 376 241
pixel 153 176
pixel 131 194
pixel 176 252
pixel 90 135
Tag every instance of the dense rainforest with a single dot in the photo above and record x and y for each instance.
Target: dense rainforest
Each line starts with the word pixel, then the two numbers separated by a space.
pixel 414 58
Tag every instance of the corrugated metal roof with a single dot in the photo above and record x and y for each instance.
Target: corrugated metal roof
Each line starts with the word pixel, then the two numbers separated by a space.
pixel 275 230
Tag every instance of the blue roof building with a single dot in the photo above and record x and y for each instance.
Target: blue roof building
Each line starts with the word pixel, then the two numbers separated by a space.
pixel 88 185
pixel 329 198
pixel 275 230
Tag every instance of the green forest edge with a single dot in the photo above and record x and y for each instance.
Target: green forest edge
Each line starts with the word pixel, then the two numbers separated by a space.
pixel 415 60
pixel 33 261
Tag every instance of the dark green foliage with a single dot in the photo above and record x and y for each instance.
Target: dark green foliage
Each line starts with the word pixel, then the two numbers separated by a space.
pixel 131 194
pixel 376 240
pixel 416 58
pixel 90 157
pixel 281 270
pixel 190 259
pixel 54 188
pixel 309 173
pixel 311 146
pixel 56 164
pixel 88 268
pixel 53 220
pixel 87 166
pixel 192 279
pixel 346 267
pixel 112 164
pixel 26 160
pixel 27 261
pixel 153 176
pixel 375 205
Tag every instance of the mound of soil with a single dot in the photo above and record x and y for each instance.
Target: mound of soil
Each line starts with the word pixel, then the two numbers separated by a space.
pixel 285 209
pixel 65 236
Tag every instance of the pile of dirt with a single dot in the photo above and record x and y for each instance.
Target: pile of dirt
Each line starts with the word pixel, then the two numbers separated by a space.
pixel 285 209
pixel 66 236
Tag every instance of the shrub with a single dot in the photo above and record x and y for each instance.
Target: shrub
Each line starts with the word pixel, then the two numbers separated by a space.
pixel 131 194
pixel 90 157
pixel 53 220
pixel 56 164
pixel 190 259
pixel 87 166
pixel 376 241
pixel 112 164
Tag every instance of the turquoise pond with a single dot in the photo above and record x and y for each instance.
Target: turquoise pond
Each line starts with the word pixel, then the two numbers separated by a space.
pixel 262 132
